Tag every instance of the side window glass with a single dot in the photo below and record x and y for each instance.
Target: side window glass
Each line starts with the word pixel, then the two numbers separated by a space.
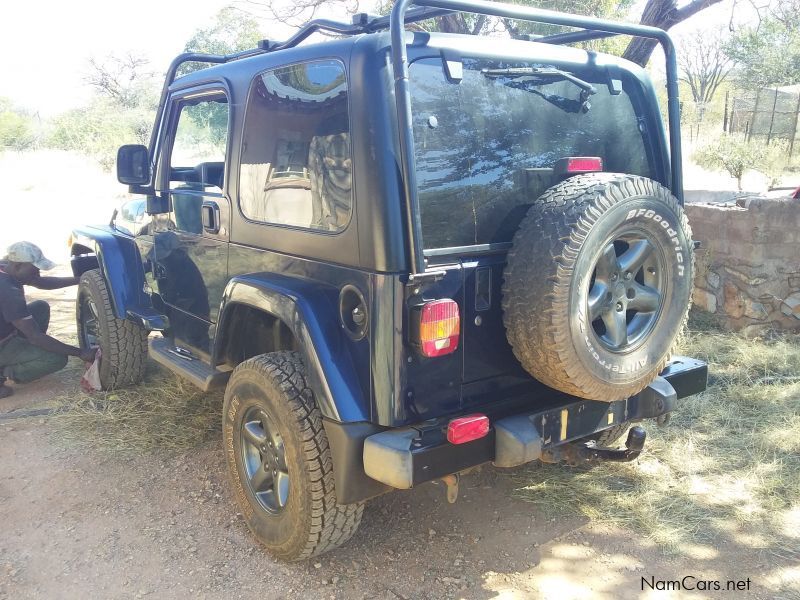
pixel 296 167
pixel 197 160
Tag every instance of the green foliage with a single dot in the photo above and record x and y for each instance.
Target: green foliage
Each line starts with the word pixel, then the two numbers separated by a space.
pixel 775 161
pixel 767 55
pixel 99 129
pixel 614 9
pixel 473 24
pixel 121 112
pixel 736 155
pixel 232 31
pixel 17 128
pixel 203 128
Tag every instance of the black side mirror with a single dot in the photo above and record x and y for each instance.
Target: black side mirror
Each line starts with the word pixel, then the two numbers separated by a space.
pixel 133 164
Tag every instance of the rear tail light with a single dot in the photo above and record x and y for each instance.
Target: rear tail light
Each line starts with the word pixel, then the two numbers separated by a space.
pixel 439 326
pixel 466 429
pixel 573 165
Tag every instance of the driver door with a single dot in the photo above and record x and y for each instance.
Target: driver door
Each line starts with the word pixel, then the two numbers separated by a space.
pixel 191 246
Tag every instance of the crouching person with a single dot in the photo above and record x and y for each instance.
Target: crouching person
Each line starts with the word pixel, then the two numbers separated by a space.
pixel 26 351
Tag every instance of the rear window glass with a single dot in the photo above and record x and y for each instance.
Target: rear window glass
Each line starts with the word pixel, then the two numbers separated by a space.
pixel 485 148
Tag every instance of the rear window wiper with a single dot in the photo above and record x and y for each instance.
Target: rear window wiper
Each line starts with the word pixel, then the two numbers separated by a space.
pixel 534 74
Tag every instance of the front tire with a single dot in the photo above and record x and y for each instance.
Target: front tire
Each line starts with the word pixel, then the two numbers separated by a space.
pixel 279 460
pixel 122 342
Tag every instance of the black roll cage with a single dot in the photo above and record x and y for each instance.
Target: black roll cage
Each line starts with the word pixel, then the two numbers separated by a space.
pixel 589 28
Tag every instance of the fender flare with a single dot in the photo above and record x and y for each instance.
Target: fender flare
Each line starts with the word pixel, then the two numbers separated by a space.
pixel 115 261
pixel 315 325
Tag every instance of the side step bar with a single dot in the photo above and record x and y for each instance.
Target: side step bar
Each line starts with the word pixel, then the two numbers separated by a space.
pixel 189 367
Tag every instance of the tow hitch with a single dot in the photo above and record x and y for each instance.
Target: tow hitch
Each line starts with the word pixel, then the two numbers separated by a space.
pixel 579 452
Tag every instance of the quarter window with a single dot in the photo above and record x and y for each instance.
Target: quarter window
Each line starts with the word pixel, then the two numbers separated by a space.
pixel 296 166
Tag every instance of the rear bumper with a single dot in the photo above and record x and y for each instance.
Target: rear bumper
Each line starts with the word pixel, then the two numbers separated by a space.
pixel 403 458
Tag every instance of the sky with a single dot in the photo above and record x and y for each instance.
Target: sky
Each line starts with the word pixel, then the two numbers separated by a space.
pixel 45 44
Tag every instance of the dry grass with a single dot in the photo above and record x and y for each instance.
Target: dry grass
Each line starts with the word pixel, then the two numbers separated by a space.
pixel 725 469
pixel 162 414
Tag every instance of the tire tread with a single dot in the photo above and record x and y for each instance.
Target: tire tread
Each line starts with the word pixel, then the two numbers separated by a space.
pixel 328 524
pixel 536 292
pixel 124 343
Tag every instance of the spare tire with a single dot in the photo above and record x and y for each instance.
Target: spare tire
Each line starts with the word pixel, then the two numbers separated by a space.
pixel 598 285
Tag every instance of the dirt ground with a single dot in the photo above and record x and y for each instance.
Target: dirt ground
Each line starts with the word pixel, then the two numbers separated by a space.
pixel 94 525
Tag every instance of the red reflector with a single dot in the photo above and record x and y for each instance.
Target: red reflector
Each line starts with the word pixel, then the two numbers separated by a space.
pixel 584 164
pixel 466 429
pixel 439 327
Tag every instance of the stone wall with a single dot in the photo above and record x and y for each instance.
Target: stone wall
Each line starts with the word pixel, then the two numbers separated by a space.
pixel 748 266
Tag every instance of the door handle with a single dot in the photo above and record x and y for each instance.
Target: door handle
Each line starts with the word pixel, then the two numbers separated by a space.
pixel 210 217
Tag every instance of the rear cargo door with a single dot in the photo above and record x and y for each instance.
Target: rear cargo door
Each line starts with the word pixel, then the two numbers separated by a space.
pixel 488 141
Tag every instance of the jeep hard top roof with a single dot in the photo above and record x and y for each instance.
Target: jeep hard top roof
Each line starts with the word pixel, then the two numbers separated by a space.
pixel 451 47
pixel 447 43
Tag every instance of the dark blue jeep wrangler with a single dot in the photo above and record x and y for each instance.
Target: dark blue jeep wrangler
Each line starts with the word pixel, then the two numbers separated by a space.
pixel 405 254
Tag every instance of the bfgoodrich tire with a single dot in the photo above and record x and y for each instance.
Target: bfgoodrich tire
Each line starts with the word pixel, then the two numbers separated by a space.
pixel 122 342
pixel 598 285
pixel 279 460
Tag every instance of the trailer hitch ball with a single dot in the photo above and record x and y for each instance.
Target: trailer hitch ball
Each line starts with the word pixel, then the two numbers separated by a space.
pixel 633 447
pixel 636 437
pixel 576 453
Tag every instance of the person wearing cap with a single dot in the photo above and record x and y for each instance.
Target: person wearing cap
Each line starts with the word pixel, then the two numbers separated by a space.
pixel 26 351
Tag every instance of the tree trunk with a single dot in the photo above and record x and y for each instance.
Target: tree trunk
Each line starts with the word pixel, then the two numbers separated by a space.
pixel 453 23
pixel 663 14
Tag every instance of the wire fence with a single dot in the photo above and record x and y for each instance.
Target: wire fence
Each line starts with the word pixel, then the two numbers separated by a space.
pixel 768 114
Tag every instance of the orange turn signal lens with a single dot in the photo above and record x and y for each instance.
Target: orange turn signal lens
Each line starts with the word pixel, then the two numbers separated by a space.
pixel 439 328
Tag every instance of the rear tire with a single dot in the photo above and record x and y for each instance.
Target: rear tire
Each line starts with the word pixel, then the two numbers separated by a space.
pixel 122 342
pixel 598 284
pixel 279 460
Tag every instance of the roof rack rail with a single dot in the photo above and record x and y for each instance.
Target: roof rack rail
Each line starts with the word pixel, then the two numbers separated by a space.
pixel 361 23
pixel 186 57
